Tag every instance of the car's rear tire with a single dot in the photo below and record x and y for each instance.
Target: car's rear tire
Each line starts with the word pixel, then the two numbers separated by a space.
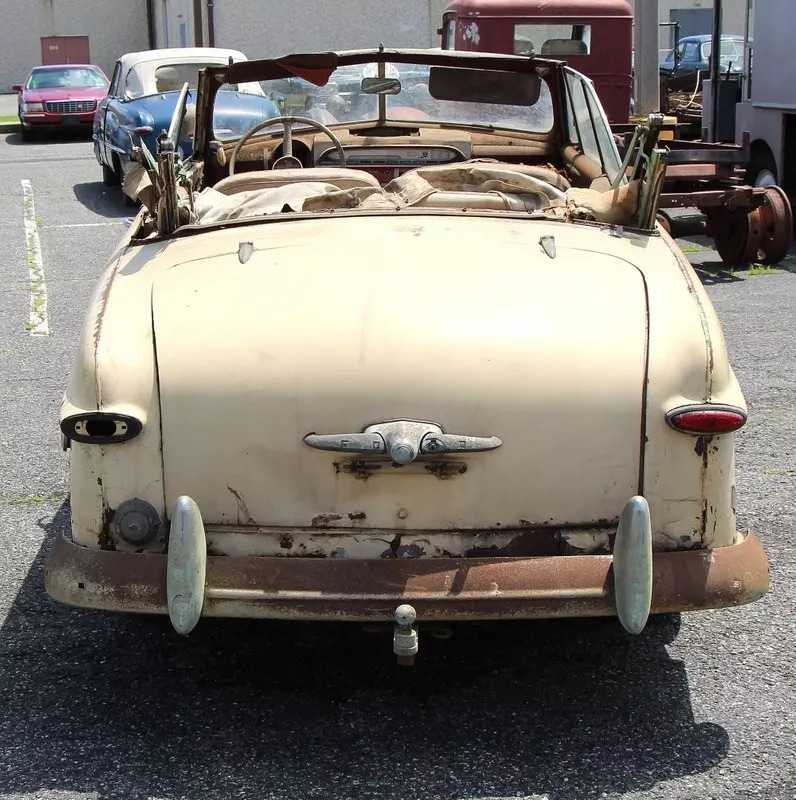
pixel 129 202
pixel 109 176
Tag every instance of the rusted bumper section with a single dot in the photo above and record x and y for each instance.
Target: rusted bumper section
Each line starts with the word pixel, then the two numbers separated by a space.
pixel 440 589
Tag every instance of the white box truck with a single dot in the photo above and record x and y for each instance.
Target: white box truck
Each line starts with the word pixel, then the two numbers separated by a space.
pixel 768 109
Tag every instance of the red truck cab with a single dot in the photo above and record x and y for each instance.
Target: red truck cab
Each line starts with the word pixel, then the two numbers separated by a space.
pixel 594 37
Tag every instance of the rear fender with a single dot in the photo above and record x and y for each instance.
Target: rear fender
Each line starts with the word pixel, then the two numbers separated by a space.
pixel 114 371
pixel 689 481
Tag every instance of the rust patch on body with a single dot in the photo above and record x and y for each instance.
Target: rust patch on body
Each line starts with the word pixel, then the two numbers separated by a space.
pixel 104 539
pixel 705 446
pixel 243 509
pixel 446 469
pixel 534 541
pixel 324 520
pixel 701 449
pixel 357 516
pixel 413 550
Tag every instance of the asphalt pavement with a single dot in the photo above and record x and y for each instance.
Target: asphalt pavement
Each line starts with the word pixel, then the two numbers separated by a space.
pixel 99 706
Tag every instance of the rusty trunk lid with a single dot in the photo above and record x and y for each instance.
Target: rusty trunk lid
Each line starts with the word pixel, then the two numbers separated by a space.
pixel 331 325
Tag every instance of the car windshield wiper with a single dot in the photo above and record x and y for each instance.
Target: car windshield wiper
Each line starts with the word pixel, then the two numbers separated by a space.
pixel 481 126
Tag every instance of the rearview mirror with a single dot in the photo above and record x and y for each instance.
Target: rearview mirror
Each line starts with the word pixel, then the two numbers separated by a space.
pixel 380 85
pixel 17 87
pixel 484 86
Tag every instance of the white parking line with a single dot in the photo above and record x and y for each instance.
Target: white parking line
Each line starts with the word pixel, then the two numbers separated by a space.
pixel 118 223
pixel 37 324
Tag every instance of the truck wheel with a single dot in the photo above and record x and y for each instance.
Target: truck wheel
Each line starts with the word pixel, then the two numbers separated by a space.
pixel 762 169
pixel 737 234
pixel 777 221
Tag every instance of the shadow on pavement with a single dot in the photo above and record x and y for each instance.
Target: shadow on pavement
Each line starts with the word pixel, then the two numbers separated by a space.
pixel 107 201
pixel 122 706
pixel 712 273
pixel 52 135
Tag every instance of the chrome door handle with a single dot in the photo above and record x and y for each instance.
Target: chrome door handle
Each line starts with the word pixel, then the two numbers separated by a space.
pixel 402 440
pixel 342 442
pixel 454 443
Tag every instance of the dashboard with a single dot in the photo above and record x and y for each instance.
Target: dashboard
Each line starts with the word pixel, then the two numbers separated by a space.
pixel 386 162
pixel 388 156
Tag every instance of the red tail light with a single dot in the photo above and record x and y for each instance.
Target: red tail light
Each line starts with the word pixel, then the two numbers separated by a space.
pixel 706 419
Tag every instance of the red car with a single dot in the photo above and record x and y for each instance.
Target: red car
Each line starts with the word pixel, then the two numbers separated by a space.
pixel 60 95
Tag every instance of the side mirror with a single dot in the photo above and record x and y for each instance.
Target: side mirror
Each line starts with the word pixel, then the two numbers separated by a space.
pixel 17 87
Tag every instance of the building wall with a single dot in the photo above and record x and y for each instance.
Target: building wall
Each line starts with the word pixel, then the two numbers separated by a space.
pixel 270 27
pixel 263 28
pixel 733 15
pixel 258 27
pixel 113 27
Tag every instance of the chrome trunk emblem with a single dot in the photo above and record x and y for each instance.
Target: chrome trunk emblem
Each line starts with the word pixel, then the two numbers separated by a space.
pixel 402 440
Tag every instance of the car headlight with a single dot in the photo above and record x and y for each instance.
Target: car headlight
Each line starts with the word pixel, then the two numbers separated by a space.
pixel 33 106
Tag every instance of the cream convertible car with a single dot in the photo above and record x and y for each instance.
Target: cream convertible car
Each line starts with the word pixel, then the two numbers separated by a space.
pixel 420 353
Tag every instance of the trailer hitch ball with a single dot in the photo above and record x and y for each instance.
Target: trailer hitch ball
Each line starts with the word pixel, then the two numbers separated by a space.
pixel 404 640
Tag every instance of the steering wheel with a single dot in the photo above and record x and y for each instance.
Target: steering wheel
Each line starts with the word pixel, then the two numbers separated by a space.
pixel 287 142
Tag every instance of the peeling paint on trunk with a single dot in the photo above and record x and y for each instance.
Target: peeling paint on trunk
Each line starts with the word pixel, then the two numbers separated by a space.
pixel 374 543
pixel 243 510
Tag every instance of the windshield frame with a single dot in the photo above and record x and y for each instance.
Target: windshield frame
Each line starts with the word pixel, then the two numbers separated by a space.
pixel 317 68
pixel 412 99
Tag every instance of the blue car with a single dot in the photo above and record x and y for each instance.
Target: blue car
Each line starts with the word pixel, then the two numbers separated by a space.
pixel 143 95
pixel 693 56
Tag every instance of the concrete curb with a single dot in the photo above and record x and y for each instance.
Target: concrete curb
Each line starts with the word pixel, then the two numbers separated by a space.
pixel 9 127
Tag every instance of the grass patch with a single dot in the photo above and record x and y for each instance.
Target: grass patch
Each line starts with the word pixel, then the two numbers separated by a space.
pixel 33 499
pixel 762 269
pixel 6 118
pixel 777 473
pixel 691 247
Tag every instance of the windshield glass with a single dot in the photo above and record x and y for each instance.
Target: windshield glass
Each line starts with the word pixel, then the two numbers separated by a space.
pixel 66 77
pixel 419 93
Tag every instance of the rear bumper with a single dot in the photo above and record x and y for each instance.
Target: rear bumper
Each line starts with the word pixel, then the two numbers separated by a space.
pixel 439 589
